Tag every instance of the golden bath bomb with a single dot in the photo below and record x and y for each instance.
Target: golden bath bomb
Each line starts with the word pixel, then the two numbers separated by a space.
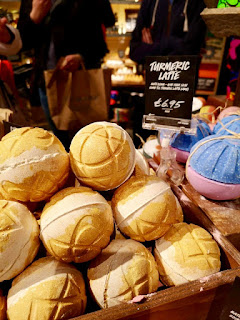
pixel 76 224
pixel 145 208
pixel 3 307
pixel 48 289
pixel 19 238
pixel 186 252
pixel 102 155
pixel 122 271
pixel 33 165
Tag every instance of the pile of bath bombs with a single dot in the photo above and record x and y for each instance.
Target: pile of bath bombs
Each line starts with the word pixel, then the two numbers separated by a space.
pixel 81 224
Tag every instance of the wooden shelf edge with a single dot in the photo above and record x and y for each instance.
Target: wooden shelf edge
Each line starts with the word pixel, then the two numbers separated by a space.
pixel 167 299
pixel 196 215
pixel 116 35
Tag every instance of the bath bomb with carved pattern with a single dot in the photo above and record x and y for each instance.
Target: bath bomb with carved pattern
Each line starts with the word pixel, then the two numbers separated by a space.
pixel 145 208
pixel 3 307
pixel 102 155
pixel 76 224
pixel 19 238
pixel 122 271
pixel 48 289
pixel 186 252
pixel 33 165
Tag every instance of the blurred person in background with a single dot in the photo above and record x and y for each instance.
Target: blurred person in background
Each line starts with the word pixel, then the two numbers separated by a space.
pixel 10 40
pixel 72 29
pixel 168 27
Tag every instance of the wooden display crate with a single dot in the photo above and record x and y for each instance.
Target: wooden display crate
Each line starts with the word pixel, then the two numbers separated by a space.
pixel 199 300
pixel 225 215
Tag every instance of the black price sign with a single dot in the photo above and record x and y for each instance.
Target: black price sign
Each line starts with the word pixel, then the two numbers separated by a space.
pixel 170 86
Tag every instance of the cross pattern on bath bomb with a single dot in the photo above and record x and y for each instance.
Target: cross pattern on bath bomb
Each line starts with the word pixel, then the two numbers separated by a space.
pixel 9 222
pixel 76 248
pixel 54 308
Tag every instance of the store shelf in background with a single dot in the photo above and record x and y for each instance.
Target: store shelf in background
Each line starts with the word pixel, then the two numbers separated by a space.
pixel 126 13
pixel 208 71
pixel 125 2
pixel 219 100
pixel 10 5
pixel 207 78
pixel 123 84
pixel 8 1
pixel 117 35
pixel 117 44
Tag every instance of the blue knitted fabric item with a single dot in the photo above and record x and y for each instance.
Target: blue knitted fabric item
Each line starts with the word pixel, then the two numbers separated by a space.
pixel 217 160
pixel 231 123
pixel 186 141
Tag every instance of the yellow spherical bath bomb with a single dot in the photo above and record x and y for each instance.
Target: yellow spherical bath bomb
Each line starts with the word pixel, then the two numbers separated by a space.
pixel 102 155
pixel 145 207
pixel 48 289
pixel 123 270
pixel 186 252
pixel 33 165
pixel 76 224
pixel 19 238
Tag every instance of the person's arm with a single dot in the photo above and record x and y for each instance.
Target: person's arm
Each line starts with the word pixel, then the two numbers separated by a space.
pixel 10 41
pixel 71 62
